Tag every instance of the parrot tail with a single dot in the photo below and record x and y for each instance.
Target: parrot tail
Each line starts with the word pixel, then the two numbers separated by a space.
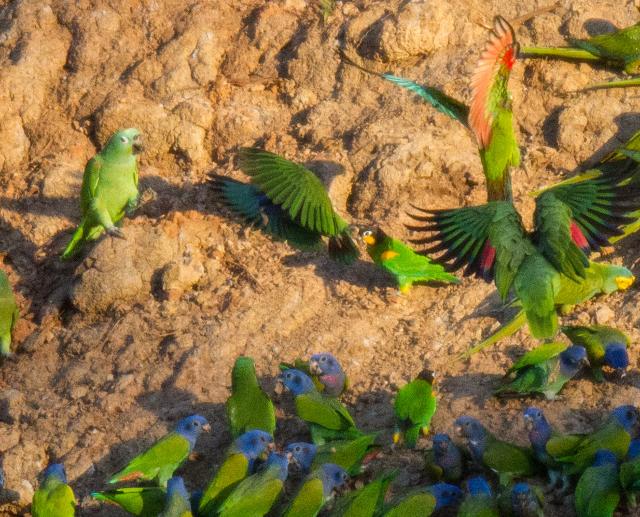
pixel 629 229
pixel 561 52
pixel 411 436
pixel 342 248
pixel 509 328
pixel 625 83
pixel 5 345
pixel 72 247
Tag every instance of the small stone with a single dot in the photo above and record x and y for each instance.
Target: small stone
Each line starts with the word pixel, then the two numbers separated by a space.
pixel 11 406
pixel 77 392
pixel 604 315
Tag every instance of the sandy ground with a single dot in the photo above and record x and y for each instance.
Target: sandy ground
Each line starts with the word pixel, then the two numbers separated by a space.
pixel 113 348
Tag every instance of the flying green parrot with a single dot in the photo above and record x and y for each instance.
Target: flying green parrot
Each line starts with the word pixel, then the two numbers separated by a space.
pixel 316 490
pixel 177 503
pixel 54 497
pixel 479 501
pixel 367 500
pixel 507 460
pixel 327 417
pixel 255 495
pixel 630 473
pixel 424 501
pixel 414 407
pixel 9 314
pixel 615 435
pixel 606 347
pixel 620 49
pixel 248 407
pixel 287 201
pixel 404 264
pixel 598 489
pixel 237 465
pixel 109 189
pixel 545 369
pixel 144 501
pixel 160 461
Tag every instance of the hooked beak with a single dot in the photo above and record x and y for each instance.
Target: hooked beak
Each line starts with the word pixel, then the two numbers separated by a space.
pixel 279 388
pixel 369 240
pixel 458 430
pixel 314 367
pixel 207 428
pixel 585 362
pixel 271 447
pixel 624 282
pixel 528 422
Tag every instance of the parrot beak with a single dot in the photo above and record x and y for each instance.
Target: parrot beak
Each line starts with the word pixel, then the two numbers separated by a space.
pixel 528 423
pixel 206 428
pixel 271 447
pixel 278 389
pixel 138 145
pixel 585 362
pixel 458 430
pixel 369 240
pixel 624 282
pixel 314 367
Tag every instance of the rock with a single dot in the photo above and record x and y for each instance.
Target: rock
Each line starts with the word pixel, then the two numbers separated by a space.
pixel 604 315
pixel 9 437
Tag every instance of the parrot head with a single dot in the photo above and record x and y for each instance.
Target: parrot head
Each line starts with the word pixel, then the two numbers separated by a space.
pixel 427 375
pixel 537 426
pixel 445 494
pixel 372 236
pixel 302 454
pixel 572 359
pixel 333 476
pixel 616 356
pixel 441 443
pixel 281 461
pixel 628 417
pixel 190 427
pixel 125 142
pixel 616 278
pixel 55 470
pixel 604 457
pixel 297 382
pixel 324 364
pixel 522 497
pixel 478 486
pixel 175 487
pixel 634 450
pixel 469 428
pixel 254 443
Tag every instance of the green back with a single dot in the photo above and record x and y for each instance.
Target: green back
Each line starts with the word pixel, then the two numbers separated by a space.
pixel 478 506
pixel 254 496
pixel 140 501
pixel 416 402
pixel 416 504
pixel 309 499
pixel 248 407
pixel 621 46
pixel 348 454
pixel 600 279
pixel 506 458
pixel 324 411
pixel 234 469
pixel 597 492
pixel 53 499
pixel 500 155
pixel 630 475
pixel 538 355
pixel 366 501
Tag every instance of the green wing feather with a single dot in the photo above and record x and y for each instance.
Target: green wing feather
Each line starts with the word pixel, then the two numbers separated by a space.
pixel 415 406
pixel 416 504
pixel 54 500
pixel 232 471
pixel 538 355
pixel 324 411
pixel 366 501
pixel 309 500
pixel 162 459
pixel 597 492
pixel 140 501
pixel 347 454
pixel 478 506
pixel 254 496
pixel 506 458
pixel 630 475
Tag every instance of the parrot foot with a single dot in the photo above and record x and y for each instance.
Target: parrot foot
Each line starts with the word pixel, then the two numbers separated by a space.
pixel 114 231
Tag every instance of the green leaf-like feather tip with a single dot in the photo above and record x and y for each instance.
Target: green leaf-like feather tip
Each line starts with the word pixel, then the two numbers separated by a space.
pixel 248 407
pixel 140 501
pixel 414 407
pixel 8 314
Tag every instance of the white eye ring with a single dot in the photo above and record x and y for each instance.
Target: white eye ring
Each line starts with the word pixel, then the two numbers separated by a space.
pixel 367 233
pixel 124 139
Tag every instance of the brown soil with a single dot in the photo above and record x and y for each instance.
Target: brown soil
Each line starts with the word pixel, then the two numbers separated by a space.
pixel 113 349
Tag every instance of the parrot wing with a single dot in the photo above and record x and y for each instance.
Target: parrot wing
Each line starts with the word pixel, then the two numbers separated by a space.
pixel 234 469
pixel 90 181
pixel 416 503
pixel 309 499
pixel 324 411
pixel 403 261
pixel 478 506
pixel 140 501
pixel 58 501
pixel 254 496
pixel 504 457
pixel 630 475
pixel 366 501
pixel 538 355
pixel 622 45
pixel 348 454
pixel 597 492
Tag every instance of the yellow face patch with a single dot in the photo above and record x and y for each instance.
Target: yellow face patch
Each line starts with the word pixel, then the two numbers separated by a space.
pixel 369 240
pixel 624 282
pixel 389 254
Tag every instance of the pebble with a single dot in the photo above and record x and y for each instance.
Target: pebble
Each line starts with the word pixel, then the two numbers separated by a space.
pixel 604 315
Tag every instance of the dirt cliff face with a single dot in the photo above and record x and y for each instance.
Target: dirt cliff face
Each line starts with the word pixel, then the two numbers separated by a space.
pixel 114 348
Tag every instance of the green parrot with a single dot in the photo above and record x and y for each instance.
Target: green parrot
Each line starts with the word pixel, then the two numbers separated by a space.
pixel 9 314
pixel 598 489
pixel 620 49
pixel 160 461
pixel 630 473
pixel 109 189
pixel 507 460
pixel 147 501
pixel 367 500
pixel 54 497
pixel 424 501
pixel 414 407
pixel 255 495
pixel 404 264
pixel 177 503
pixel 327 417
pixel 606 347
pixel 479 501
pixel 248 407
pixel 545 369
pixel 316 490
pixel 237 465
pixel 287 201
pixel 615 435
pixel 348 454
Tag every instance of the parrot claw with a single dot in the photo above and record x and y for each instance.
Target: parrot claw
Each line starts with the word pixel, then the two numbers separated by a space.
pixel 114 231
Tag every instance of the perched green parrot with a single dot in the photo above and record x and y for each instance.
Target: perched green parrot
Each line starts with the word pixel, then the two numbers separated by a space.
pixel 316 490
pixel 615 435
pixel 367 500
pixel 507 460
pixel 177 503
pixel 606 347
pixel 620 49
pixel 479 501
pixel 422 502
pixel 248 407
pixel 145 501
pixel 404 264
pixel 160 461
pixel 630 473
pixel 237 465
pixel 327 417
pixel 414 407
pixel 598 489
pixel 287 201
pixel 255 495
pixel 54 497
pixel 109 189
pixel 545 369
pixel 9 314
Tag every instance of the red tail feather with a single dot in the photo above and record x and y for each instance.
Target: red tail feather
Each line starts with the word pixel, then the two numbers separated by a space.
pixel 579 238
pixel 487 258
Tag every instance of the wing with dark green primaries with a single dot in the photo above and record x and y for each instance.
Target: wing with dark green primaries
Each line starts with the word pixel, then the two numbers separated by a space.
pixel 234 469
pixel 622 46
pixel 538 355
pixel 324 411
pixel 140 501
pixel 254 496
pixel 366 501
pixel 597 492
pixel 418 503
pixel 247 201
pixel 630 475
pixel 437 98
pixel 506 458
pixel 348 454
pixel 309 499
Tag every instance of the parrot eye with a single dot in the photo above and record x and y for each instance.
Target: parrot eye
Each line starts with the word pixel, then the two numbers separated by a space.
pixel 367 233
pixel 323 359
pixel 298 448
pixel 124 139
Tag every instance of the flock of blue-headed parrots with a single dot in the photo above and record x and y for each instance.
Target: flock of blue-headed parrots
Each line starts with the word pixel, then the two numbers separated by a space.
pixel 542 273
